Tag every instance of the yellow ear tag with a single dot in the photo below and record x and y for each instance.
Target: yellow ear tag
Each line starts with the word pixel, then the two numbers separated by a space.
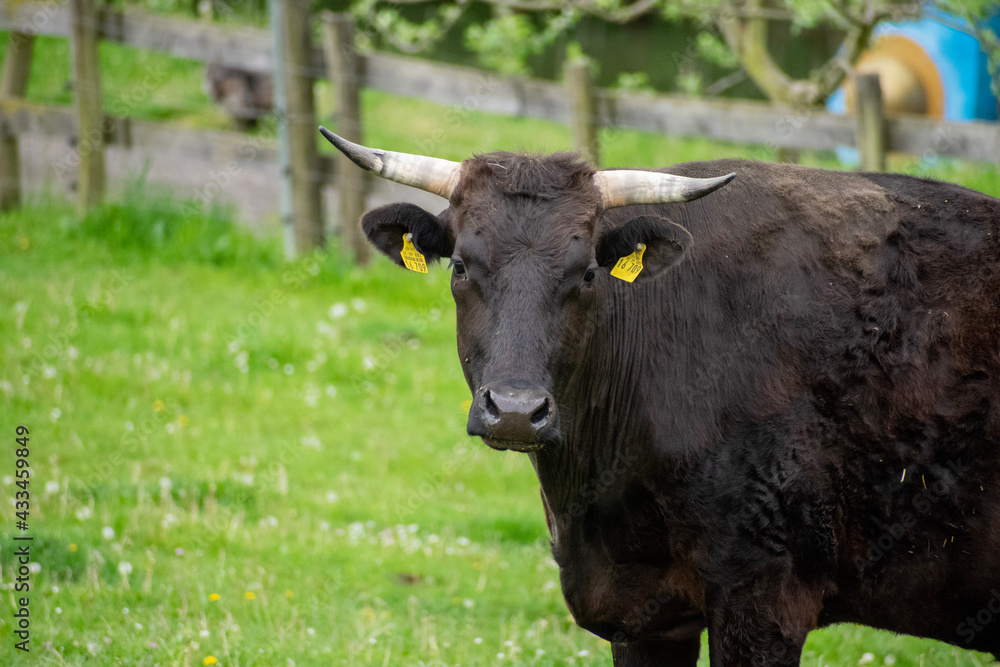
pixel 412 258
pixel 629 266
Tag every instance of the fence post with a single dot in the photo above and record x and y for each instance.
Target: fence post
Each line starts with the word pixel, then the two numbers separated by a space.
pixel 583 109
pixel 344 66
pixel 872 141
pixel 13 84
pixel 91 174
pixel 276 18
pixel 307 209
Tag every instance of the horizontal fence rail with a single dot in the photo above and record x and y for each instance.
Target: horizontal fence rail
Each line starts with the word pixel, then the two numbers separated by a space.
pixel 212 166
pixel 450 85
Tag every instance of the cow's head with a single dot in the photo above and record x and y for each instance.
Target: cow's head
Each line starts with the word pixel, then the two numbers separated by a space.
pixel 528 260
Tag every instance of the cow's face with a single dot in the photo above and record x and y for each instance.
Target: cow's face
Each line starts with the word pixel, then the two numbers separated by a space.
pixel 530 265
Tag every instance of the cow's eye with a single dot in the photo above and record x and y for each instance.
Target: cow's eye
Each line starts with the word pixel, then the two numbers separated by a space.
pixel 589 276
pixel 459 267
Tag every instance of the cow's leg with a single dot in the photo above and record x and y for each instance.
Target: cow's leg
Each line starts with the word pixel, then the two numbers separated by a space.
pixel 760 623
pixel 649 653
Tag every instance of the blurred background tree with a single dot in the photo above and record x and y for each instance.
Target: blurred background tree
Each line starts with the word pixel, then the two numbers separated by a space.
pixel 729 34
pixel 792 52
pixel 976 13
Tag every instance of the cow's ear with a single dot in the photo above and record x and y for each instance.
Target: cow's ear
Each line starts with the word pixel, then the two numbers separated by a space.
pixel 386 226
pixel 665 243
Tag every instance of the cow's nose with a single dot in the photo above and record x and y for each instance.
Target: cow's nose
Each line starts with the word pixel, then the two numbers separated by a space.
pixel 513 416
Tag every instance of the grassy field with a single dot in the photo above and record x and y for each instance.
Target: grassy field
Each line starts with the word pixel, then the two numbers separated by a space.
pixel 258 463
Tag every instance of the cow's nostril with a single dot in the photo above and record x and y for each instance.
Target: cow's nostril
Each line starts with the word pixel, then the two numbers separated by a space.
pixel 540 416
pixel 492 412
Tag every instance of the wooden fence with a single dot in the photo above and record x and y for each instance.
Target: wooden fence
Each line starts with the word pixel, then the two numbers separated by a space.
pixel 575 102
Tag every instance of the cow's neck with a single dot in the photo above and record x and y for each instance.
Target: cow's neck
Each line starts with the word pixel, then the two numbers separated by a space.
pixel 609 431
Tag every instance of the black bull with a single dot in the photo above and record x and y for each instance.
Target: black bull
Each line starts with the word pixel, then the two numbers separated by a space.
pixel 797 425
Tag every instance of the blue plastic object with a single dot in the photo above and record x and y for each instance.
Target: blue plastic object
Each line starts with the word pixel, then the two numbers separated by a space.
pixel 960 62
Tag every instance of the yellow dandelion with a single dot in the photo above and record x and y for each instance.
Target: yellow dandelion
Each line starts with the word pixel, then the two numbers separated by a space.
pixel 466 406
pixel 210 660
pixel 72 547
pixel 456 600
pixel 158 406
pixel 249 595
pixel 183 420
pixel 214 597
pixel 25 242
pixel 289 594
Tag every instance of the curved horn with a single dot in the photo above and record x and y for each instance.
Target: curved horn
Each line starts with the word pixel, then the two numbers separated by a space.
pixel 621 187
pixel 427 173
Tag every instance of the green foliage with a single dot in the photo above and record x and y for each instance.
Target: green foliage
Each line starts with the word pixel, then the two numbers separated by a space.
pixel 690 83
pixel 633 82
pixel 405 35
pixel 516 31
pixel 714 50
pixel 976 13
pixel 505 42
pixel 509 39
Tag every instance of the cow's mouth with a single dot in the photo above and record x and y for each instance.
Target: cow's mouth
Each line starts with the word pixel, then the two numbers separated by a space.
pixel 512 445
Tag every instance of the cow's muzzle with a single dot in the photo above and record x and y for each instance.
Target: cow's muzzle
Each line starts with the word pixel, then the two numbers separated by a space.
pixel 515 416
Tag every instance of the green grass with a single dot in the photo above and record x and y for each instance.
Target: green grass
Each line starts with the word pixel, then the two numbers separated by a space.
pixel 294 431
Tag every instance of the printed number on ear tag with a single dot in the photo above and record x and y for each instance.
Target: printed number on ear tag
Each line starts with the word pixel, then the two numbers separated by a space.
pixel 629 266
pixel 412 258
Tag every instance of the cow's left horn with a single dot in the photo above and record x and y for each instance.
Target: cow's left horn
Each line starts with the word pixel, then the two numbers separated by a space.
pixel 427 173
pixel 622 187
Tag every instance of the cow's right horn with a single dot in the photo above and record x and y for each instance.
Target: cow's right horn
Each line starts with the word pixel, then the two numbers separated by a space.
pixel 427 173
